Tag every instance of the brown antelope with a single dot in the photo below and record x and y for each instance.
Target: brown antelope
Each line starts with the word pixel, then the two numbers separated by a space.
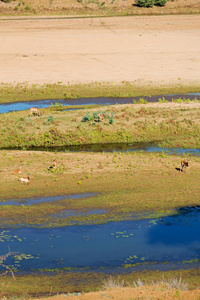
pixel 34 112
pixel 53 165
pixel 184 164
pixel 24 179
pixel 100 117
pixel 17 171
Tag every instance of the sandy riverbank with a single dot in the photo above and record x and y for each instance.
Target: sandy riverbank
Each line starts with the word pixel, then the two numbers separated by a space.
pixel 145 49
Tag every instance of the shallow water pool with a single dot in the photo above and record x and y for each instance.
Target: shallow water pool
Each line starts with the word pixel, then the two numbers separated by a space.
pixel 164 243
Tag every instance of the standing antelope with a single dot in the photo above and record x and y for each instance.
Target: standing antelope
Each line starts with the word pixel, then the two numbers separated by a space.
pixel 184 164
pixel 24 179
pixel 34 112
pixel 17 171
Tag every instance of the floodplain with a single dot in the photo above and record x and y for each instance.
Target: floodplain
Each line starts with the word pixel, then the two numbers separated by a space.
pixel 98 189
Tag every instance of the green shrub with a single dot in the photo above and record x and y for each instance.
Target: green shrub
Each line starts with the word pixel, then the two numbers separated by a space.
pixel 142 101
pixel 160 2
pixel 57 106
pixel 95 115
pixel 27 7
pixel 111 118
pixel 50 119
pixel 162 100
pixel 86 118
pixel 145 3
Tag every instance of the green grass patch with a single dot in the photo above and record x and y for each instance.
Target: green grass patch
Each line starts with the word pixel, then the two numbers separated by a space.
pixel 165 125
pixel 127 187
pixel 27 92
pixel 39 285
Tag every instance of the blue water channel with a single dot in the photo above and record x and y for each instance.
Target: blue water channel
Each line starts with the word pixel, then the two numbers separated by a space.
pixel 17 106
pixel 164 243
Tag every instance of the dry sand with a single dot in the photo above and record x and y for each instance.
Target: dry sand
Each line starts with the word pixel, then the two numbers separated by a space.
pixel 141 49
pixel 139 293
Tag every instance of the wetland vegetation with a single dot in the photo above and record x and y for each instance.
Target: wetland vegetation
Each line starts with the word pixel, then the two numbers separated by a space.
pixel 165 124
pixel 126 185
pixel 123 185
pixel 27 91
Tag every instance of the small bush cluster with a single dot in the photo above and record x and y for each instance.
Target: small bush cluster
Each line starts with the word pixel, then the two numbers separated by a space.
pixel 151 3
pixel 140 101
pixel 96 117
pixel 57 106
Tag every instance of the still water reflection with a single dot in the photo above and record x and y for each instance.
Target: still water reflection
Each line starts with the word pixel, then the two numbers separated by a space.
pixel 164 243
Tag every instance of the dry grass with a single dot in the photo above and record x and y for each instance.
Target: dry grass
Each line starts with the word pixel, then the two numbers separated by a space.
pixel 112 283
pixel 170 283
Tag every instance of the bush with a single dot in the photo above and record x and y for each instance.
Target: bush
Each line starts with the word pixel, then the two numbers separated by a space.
pixel 50 119
pixel 27 7
pixel 98 116
pixel 86 118
pixel 145 3
pixel 150 3
pixel 160 2
pixel 111 118
pixel 57 106
pixel 95 115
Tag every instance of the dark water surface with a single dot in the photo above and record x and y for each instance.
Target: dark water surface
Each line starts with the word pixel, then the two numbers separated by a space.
pixel 164 243
pixel 123 148
pixel 17 106
pixel 114 147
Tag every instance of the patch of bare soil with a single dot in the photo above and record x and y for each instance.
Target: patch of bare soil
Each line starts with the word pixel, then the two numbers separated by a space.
pixel 143 293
